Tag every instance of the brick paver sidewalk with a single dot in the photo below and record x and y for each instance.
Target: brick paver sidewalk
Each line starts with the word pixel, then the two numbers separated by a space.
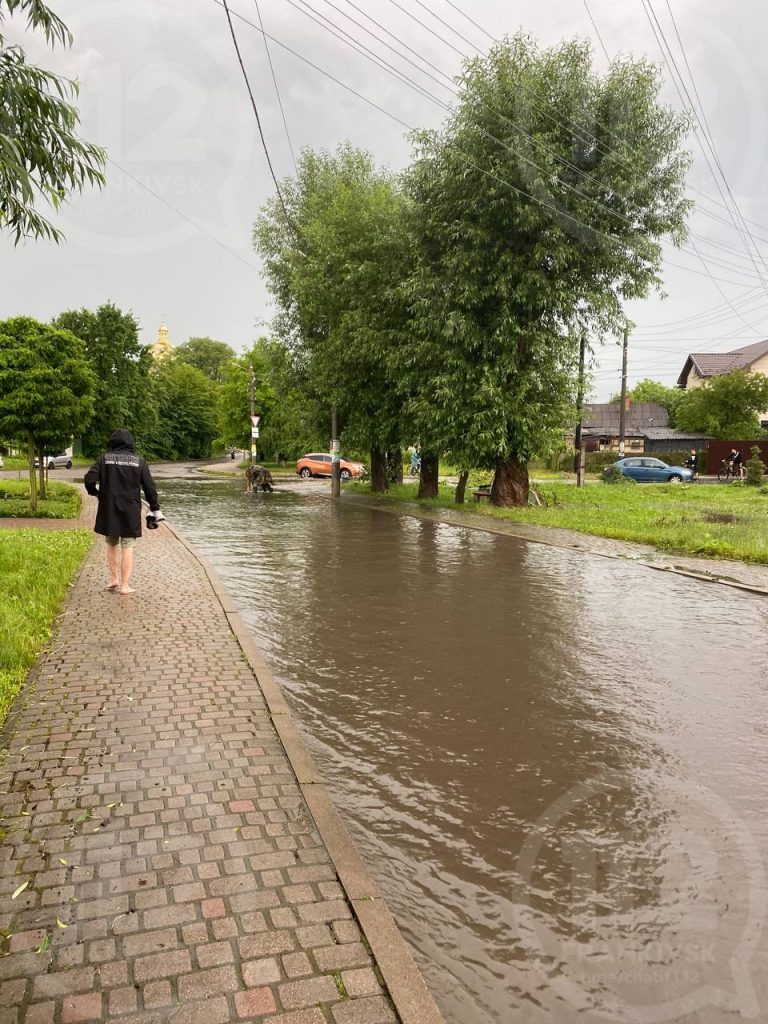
pixel 173 871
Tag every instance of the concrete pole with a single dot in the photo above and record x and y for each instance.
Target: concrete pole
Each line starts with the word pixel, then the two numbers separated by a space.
pixel 335 455
pixel 579 467
pixel 623 409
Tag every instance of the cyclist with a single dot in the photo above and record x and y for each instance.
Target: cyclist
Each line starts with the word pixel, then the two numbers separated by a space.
pixel 737 464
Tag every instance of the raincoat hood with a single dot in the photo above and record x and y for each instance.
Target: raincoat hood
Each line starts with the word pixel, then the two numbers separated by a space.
pixel 121 439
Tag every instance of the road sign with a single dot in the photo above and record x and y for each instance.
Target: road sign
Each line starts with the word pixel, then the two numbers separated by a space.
pixel 255 430
pixel 255 420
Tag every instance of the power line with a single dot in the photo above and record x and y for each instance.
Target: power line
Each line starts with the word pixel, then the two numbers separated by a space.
pixel 667 57
pixel 597 30
pixel 255 111
pixel 334 30
pixel 548 206
pixel 183 216
pixel 277 89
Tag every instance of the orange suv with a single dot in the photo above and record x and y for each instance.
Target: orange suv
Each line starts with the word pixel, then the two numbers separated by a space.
pixel 319 464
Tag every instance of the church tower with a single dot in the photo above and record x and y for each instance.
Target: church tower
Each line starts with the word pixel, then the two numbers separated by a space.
pixel 162 346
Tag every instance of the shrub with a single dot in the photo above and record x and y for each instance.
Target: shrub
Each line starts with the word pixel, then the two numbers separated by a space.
pixel 755 468
pixel 613 475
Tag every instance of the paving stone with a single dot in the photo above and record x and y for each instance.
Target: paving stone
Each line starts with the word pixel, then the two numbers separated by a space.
pixel 370 1010
pixel 361 982
pixel 295 994
pixel 260 972
pixel 197 889
pixel 254 1002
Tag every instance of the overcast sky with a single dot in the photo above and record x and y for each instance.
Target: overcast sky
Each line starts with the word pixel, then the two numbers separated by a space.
pixel 161 90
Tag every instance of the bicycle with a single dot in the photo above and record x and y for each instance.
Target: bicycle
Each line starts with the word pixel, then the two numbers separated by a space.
pixel 727 472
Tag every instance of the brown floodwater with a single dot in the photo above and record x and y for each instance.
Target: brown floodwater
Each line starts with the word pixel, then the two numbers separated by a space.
pixel 554 764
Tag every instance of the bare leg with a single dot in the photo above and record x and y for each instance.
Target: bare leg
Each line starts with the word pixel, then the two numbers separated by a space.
pixel 112 550
pixel 125 571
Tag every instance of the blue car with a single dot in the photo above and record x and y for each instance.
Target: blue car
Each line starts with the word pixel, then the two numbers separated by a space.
pixel 653 471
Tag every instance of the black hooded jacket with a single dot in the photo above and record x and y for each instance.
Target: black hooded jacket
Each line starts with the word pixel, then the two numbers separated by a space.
pixel 116 479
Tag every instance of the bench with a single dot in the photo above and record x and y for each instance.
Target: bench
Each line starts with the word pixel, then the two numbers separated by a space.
pixel 482 494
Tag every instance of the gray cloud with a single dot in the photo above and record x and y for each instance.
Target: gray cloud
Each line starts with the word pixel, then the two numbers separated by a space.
pixel 160 87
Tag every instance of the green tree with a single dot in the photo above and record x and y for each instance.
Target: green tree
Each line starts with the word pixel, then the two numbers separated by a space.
pixel 234 397
pixel 296 423
pixel 652 391
pixel 46 387
pixel 728 406
pixel 209 356
pixel 41 155
pixel 755 468
pixel 124 396
pixel 335 268
pixel 186 400
pixel 540 208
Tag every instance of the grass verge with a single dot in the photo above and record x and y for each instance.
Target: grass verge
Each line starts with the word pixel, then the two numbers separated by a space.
pixel 10 462
pixel 63 501
pixel 712 521
pixel 36 567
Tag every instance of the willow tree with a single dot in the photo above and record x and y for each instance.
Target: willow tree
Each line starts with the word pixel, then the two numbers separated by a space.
pixel 334 265
pixel 42 157
pixel 541 206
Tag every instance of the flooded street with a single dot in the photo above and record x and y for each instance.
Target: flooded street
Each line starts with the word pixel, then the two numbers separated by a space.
pixel 554 764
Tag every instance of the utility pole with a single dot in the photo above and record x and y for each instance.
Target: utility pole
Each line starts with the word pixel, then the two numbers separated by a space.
pixel 579 467
pixel 623 408
pixel 335 455
pixel 253 413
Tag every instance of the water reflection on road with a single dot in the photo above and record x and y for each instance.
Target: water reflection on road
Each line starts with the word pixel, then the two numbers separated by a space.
pixel 554 764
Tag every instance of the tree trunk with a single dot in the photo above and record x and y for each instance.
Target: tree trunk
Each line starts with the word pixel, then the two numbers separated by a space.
pixel 32 478
pixel 41 471
pixel 379 482
pixel 395 465
pixel 428 476
pixel 510 483
pixel 461 486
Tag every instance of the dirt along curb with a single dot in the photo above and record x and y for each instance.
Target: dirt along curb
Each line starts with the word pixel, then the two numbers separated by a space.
pixel 752 579
pixel 402 978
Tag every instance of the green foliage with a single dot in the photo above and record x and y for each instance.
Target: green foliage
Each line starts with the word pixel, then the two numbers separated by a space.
pixel 62 501
pixel 36 567
pixel 613 475
pixel 335 272
pixel 727 406
pixel 234 403
pixel 651 391
pixel 755 468
pixel 41 155
pixel 186 400
pixel 121 365
pixel 514 259
pixel 209 356
pixel 46 383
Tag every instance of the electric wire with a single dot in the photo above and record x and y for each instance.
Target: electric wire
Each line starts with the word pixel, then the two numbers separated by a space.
pixel 277 88
pixel 332 28
pixel 179 213
pixel 686 99
pixel 225 5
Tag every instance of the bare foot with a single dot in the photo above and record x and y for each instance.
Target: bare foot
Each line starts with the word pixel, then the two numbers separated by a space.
pixel 113 585
pixel 126 590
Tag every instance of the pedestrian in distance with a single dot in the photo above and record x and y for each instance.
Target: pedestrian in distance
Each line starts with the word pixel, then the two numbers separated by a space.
pixel 117 479
pixel 692 462
pixel 737 463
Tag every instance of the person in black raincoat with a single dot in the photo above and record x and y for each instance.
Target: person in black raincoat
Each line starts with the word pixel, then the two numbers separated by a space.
pixel 117 479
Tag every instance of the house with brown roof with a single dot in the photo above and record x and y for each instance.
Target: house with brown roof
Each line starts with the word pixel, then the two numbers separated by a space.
pixel 646 429
pixel 700 366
